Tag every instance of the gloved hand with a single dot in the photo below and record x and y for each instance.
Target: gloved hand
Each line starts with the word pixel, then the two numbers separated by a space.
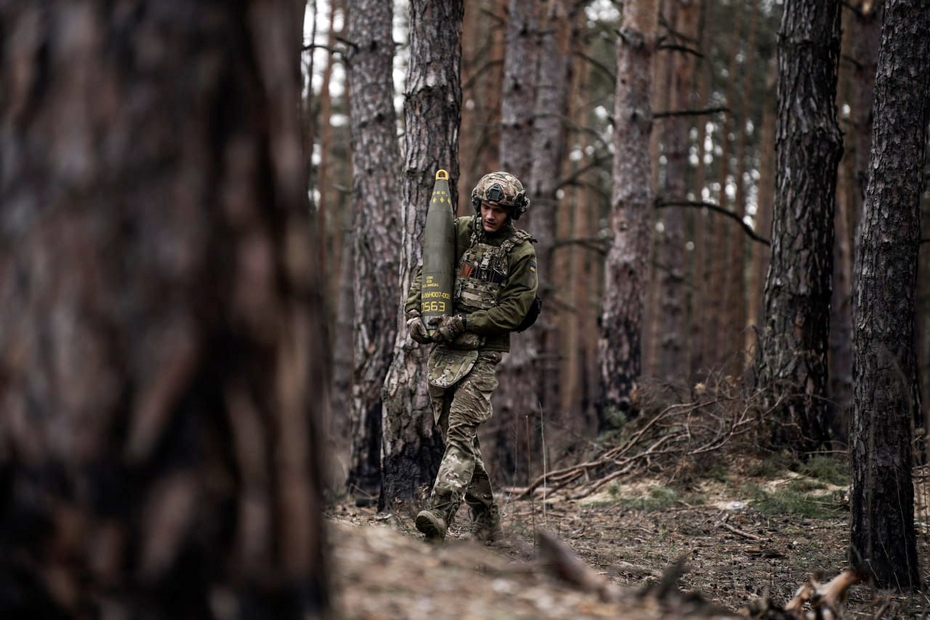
pixel 448 327
pixel 417 328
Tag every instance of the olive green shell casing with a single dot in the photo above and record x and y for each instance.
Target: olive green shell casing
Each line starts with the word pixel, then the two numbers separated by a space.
pixel 438 253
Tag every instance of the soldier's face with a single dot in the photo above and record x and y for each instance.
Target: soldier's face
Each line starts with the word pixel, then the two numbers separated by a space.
pixel 493 216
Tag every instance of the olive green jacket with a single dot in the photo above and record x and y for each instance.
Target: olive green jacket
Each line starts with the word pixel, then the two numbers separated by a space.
pixel 516 295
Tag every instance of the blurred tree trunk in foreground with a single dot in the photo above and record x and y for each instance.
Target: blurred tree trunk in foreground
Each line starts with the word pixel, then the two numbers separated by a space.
pixel 376 165
pixel 808 147
pixel 412 446
pixel 887 401
pixel 161 328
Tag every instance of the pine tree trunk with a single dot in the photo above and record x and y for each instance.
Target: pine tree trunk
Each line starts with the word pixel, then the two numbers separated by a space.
pixel 572 278
pixel 412 448
pixel 883 540
pixel 619 343
pixel 701 292
pixel 721 232
pixel 336 251
pixel 376 165
pixel 653 317
pixel 793 364
pixel 510 440
pixel 674 361
pixel 862 42
pixel 162 322
pixel 735 286
pixel 765 198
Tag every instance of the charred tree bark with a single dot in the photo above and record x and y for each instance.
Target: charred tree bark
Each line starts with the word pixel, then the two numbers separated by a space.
pixel 162 366
pixel 793 361
pixel 412 447
pixel 619 342
pixel 883 540
pixel 376 164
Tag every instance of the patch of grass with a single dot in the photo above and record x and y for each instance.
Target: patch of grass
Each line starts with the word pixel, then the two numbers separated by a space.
pixel 717 472
pixel 796 498
pixel 828 469
pixel 773 466
pixel 659 498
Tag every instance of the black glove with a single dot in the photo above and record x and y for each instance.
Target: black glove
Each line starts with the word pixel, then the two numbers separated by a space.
pixel 448 327
pixel 417 328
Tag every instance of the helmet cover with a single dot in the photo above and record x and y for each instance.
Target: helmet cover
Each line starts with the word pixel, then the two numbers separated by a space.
pixel 501 188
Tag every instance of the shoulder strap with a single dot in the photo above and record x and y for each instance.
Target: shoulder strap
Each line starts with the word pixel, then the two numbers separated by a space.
pixel 518 237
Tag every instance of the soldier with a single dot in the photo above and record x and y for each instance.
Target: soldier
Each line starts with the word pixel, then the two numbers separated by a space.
pixel 493 294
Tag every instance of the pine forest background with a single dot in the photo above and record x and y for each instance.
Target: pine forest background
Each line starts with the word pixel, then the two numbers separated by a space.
pixel 714 106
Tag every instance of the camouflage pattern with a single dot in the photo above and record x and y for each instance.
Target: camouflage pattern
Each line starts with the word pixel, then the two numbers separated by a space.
pixel 446 367
pixel 467 341
pixel 460 410
pixel 496 283
pixel 515 296
pixel 501 188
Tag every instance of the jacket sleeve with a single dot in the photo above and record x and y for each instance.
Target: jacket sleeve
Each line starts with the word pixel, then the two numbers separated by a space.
pixel 413 295
pixel 515 299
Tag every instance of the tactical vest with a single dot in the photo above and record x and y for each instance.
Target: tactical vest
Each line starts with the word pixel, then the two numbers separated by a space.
pixel 482 272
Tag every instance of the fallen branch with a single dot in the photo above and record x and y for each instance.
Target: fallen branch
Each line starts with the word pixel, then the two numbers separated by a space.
pixel 730 528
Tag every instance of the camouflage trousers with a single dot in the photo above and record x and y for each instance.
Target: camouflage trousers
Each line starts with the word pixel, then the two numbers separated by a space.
pixel 460 410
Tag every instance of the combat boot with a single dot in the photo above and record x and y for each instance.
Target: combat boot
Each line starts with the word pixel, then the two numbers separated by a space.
pixel 432 525
pixel 434 522
pixel 485 515
pixel 487 522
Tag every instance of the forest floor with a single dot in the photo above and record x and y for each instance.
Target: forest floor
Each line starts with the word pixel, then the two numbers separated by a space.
pixel 756 531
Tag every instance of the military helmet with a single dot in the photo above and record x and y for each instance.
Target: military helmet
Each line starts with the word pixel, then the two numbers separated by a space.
pixel 501 188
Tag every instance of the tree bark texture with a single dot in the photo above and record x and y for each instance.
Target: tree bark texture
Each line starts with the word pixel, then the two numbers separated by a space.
pixel 521 58
pixel 528 389
pixel 882 541
pixel 483 34
pixel 674 364
pixel 376 165
pixel 619 342
pixel 861 40
pixel 655 282
pixel 334 219
pixel 557 42
pixel 412 447
pixel 160 320
pixel 793 362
